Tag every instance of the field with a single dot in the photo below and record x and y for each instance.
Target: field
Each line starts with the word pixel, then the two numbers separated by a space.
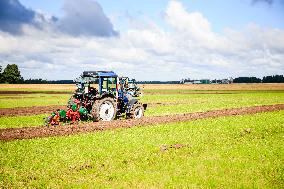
pixel 192 136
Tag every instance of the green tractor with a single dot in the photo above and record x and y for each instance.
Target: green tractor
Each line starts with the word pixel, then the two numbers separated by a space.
pixel 111 97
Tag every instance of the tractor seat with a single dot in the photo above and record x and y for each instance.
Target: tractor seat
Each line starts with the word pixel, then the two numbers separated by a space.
pixel 93 91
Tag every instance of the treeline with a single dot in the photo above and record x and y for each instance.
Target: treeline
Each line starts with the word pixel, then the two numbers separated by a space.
pixel 246 80
pixel 11 74
pixel 42 81
pixel 273 79
pixel 266 79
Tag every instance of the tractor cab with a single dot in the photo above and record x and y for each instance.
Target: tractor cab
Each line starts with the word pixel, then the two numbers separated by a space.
pixel 106 80
pixel 108 83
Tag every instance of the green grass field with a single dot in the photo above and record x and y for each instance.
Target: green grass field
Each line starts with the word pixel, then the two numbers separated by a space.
pixel 226 152
pixel 230 152
pixel 28 100
pixel 22 121
pixel 159 96
pixel 185 103
pixel 159 104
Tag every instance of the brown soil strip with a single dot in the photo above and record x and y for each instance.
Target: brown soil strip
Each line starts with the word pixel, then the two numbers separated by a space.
pixel 235 86
pixel 33 92
pixel 180 92
pixel 24 111
pixel 17 97
pixel 35 110
pixel 38 132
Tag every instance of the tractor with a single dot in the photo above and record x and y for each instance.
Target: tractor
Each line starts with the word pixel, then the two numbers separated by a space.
pixel 101 96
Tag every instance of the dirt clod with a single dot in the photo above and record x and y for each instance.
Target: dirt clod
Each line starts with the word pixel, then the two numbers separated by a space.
pixel 247 130
pixel 165 147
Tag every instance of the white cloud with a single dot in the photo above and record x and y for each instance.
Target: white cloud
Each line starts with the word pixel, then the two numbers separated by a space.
pixel 190 48
pixel 85 18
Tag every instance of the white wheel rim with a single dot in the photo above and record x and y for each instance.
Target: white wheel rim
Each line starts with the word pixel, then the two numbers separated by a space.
pixel 138 113
pixel 106 111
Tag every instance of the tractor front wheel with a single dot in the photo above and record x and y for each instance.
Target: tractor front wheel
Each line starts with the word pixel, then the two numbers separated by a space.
pixel 104 109
pixel 137 111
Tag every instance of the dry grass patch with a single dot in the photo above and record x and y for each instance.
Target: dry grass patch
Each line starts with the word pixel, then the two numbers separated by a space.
pixel 270 86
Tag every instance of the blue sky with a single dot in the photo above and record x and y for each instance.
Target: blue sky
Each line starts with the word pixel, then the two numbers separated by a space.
pixel 147 40
pixel 234 14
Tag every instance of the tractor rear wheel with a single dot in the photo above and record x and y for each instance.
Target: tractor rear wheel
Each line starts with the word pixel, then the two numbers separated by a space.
pixel 104 109
pixel 137 111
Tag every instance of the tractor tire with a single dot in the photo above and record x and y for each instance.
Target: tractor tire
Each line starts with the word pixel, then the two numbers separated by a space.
pixel 136 112
pixel 104 109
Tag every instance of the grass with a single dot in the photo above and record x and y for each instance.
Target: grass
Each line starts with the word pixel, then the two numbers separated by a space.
pixel 185 103
pixel 181 87
pixel 229 152
pixel 22 121
pixel 33 100
pixel 184 100
pixel 171 104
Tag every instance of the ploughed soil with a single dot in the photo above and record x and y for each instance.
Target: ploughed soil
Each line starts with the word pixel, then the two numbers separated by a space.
pixel 24 111
pixel 41 131
pixel 34 110
pixel 234 86
pixel 191 93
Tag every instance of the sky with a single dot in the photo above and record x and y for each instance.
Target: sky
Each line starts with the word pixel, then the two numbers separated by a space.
pixel 147 40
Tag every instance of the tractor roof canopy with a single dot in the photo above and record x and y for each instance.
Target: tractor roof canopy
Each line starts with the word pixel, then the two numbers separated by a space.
pixel 97 74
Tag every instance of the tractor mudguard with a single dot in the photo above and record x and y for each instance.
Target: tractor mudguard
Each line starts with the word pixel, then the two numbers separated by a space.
pixel 107 94
pixel 130 104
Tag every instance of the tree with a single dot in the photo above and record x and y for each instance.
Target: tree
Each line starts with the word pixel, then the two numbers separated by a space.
pixel 12 74
pixel 1 78
pixel 273 79
pixel 247 80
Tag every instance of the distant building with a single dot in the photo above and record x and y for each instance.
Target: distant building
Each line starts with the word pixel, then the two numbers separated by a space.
pixel 201 81
pixel 188 82
pixel 207 81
